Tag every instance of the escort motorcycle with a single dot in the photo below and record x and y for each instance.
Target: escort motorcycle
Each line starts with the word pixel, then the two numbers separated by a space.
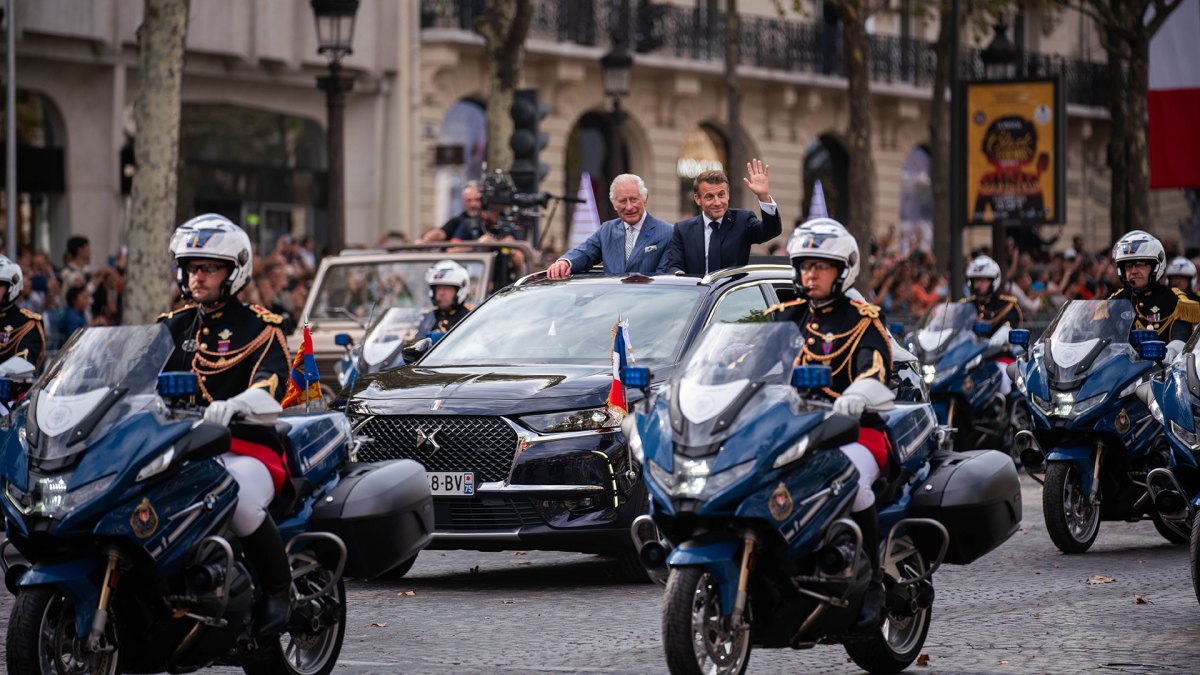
pixel 751 499
pixel 959 369
pixel 1095 439
pixel 112 493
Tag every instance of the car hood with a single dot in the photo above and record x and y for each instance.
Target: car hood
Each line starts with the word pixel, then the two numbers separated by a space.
pixel 490 390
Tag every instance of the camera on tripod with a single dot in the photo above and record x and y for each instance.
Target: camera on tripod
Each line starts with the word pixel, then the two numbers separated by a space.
pixel 498 190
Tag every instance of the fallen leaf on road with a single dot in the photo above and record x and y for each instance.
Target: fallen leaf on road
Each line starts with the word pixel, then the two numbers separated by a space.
pixel 524 563
pixel 1140 600
pixel 519 553
pixel 923 660
pixel 1036 615
pixel 508 602
pixel 475 569
pixel 1024 531
pixel 381 624
pixel 408 593
pixel 1003 662
pixel 1100 579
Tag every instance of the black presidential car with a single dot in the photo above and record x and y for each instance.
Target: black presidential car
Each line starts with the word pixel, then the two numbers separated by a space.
pixel 508 412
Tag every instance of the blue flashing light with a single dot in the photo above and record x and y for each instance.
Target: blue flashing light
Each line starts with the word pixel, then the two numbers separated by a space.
pixel 1152 350
pixel 6 389
pixel 1019 337
pixel 342 340
pixel 896 328
pixel 811 377
pixel 637 377
pixel 1137 337
pixel 180 384
pixel 981 327
pixel 435 335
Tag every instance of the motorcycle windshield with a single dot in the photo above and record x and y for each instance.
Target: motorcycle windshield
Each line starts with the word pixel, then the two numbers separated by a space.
pixel 1084 335
pixel 944 326
pixel 730 363
pixel 101 376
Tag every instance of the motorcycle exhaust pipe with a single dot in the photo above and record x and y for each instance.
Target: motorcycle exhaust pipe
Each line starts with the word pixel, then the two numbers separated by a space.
pixel 832 558
pixel 651 548
pixel 1031 455
pixel 654 558
pixel 1170 503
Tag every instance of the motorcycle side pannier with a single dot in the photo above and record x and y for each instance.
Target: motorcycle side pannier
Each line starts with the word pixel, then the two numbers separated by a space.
pixel 977 496
pixel 383 512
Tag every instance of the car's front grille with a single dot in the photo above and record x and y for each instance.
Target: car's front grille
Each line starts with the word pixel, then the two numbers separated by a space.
pixel 484 445
pixel 455 514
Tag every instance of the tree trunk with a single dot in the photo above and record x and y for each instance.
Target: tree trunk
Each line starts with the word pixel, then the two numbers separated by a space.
pixel 861 178
pixel 939 146
pixel 733 99
pixel 1117 155
pixel 1136 152
pixel 503 25
pixel 156 110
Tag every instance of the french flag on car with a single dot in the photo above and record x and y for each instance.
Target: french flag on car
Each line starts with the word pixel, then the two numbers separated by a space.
pixel 622 356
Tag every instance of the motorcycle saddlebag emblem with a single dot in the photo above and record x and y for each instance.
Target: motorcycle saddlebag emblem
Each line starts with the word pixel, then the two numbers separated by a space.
pixel 144 520
pixel 1122 422
pixel 781 502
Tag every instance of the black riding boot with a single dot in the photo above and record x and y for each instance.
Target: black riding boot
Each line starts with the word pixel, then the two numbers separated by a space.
pixel 872 606
pixel 265 550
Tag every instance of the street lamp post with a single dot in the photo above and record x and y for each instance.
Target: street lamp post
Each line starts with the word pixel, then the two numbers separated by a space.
pixel 617 65
pixel 335 40
pixel 1000 63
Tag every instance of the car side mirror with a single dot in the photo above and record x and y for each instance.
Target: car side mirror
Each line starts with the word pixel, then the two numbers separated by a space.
pixel 1018 337
pixel 1137 337
pixel 412 353
pixel 811 377
pixel 1152 350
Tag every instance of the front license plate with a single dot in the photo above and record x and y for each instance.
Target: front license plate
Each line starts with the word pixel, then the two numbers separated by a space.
pixel 452 483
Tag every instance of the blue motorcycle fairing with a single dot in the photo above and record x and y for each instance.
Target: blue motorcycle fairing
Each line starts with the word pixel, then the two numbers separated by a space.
pixel 1174 398
pixel 719 559
pixel 1083 459
pixel 779 425
pixel 1112 376
pixel 960 354
pixel 141 437
pixel 72 578
pixel 657 446
pixel 823 469
pixel 1036 383
pixel 313 442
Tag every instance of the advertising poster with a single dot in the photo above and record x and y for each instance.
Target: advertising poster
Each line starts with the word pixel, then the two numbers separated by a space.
pixel 1015 162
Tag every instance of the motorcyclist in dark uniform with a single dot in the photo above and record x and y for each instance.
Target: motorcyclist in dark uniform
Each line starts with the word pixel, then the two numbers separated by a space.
pixel 240 356
pixel 1001 312
pixel 1141 265
pixel 849 337
pixel 1181 274
pixel 22 332
pixel 448 289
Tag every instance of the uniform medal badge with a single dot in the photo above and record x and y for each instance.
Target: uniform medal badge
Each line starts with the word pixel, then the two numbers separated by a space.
pixel 223 343
pixel 6 335
pixel 1122 422
pixel 827 345
pixel 189 346
pixel 780 503
pixel 144 520
pixel 1155 315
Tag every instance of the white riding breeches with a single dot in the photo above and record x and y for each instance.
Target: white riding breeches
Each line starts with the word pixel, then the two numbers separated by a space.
pixel 1005 382
pixel 255 491
pixel 868 471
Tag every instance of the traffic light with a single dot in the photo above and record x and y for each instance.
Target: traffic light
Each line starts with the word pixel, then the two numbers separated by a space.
pixel 527 141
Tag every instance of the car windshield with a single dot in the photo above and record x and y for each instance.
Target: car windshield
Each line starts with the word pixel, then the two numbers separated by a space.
pixel 1088 332
pixel 570 323
pixel 361 289
pixel 946 325
pixel 110 371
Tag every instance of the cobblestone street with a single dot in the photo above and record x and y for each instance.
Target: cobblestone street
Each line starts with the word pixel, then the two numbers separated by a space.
pixel 1024 608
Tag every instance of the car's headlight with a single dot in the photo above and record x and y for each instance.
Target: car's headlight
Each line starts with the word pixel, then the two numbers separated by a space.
pixel 157 465
pixel 1189 438
pixel 48 496
pixel 1080 407
pixel 573 420
pixel 793 453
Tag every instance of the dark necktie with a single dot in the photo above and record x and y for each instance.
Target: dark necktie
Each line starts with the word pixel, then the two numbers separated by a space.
pixel 714 248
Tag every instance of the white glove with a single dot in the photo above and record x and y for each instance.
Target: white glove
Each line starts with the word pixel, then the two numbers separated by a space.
pixel 850 404
pixel 255 405
pixel 1174 349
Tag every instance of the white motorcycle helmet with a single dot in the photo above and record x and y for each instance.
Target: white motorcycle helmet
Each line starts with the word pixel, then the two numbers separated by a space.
pixel 1179 267
pixel 10 273
pixel 827 239
pixel 213 237
pixel 1137 245
pixel 983 267
pixel 449 273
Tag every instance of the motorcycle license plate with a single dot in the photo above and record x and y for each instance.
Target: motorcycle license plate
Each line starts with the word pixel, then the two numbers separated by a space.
pixel 452 483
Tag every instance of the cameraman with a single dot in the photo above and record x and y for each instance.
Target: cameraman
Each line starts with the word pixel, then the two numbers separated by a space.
pixel 472 198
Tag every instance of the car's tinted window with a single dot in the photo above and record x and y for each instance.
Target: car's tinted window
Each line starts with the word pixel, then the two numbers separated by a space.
pixel 356 288
pixel 741 305
pixel 570 323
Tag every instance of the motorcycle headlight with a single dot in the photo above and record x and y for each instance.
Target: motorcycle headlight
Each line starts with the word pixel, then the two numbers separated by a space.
pixel 928 372
pixel 1080 407
pixel 48 496
pixel 723 479
pixel 1156 412
pixel 793 453
pixel 157 465
pixel 1020 384
pixel 1189 438
pixel 1064 401
pixel 975 362
pixel 1041 404
pixel 573 420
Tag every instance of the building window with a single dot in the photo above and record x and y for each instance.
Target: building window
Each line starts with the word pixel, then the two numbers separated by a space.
pixel 459 156
pixel 704 149
pixel 916 202
pixel 826 160
pixel 588 152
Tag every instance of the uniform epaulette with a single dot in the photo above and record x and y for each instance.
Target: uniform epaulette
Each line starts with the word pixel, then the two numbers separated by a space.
pixel 266 315
pixel 1012 299
pixel 1187 309
pixel 866 308
pixel 963 301
pixel 30 315
pixel 468 306
pixel 784 305
pixel 167 315
pixel 1114 294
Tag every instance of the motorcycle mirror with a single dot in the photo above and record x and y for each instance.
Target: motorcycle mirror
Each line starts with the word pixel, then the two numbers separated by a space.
pixel 811 377
pixel 637 377
pixel 1137 337
pixel 1152 350
pixel 981 327
pixel 416 350
pixel 1018 337
pixel 435 335
pixel 178 384
pixel 343 340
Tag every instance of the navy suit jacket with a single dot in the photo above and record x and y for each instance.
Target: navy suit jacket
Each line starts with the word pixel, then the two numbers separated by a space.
pixel 739 229
pixel 607 245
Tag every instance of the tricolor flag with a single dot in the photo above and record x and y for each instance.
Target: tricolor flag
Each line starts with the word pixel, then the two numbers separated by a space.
pixel 1173 100
pixel 305 382
pixel 586 218
pixel 817 208
pixel 622 355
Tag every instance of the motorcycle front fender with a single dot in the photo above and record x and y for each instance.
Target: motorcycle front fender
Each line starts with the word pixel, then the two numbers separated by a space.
pixel 73 579
pixel 720 559
pixel 1084 459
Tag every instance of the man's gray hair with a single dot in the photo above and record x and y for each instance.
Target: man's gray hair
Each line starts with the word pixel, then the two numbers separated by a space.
pixel 627 178
pixel 472 185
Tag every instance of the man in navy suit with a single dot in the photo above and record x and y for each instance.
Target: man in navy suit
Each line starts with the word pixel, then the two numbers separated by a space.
pixel 635 242
pixel 720 237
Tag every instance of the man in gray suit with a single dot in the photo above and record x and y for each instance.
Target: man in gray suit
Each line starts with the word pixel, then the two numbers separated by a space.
pixel 635 242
